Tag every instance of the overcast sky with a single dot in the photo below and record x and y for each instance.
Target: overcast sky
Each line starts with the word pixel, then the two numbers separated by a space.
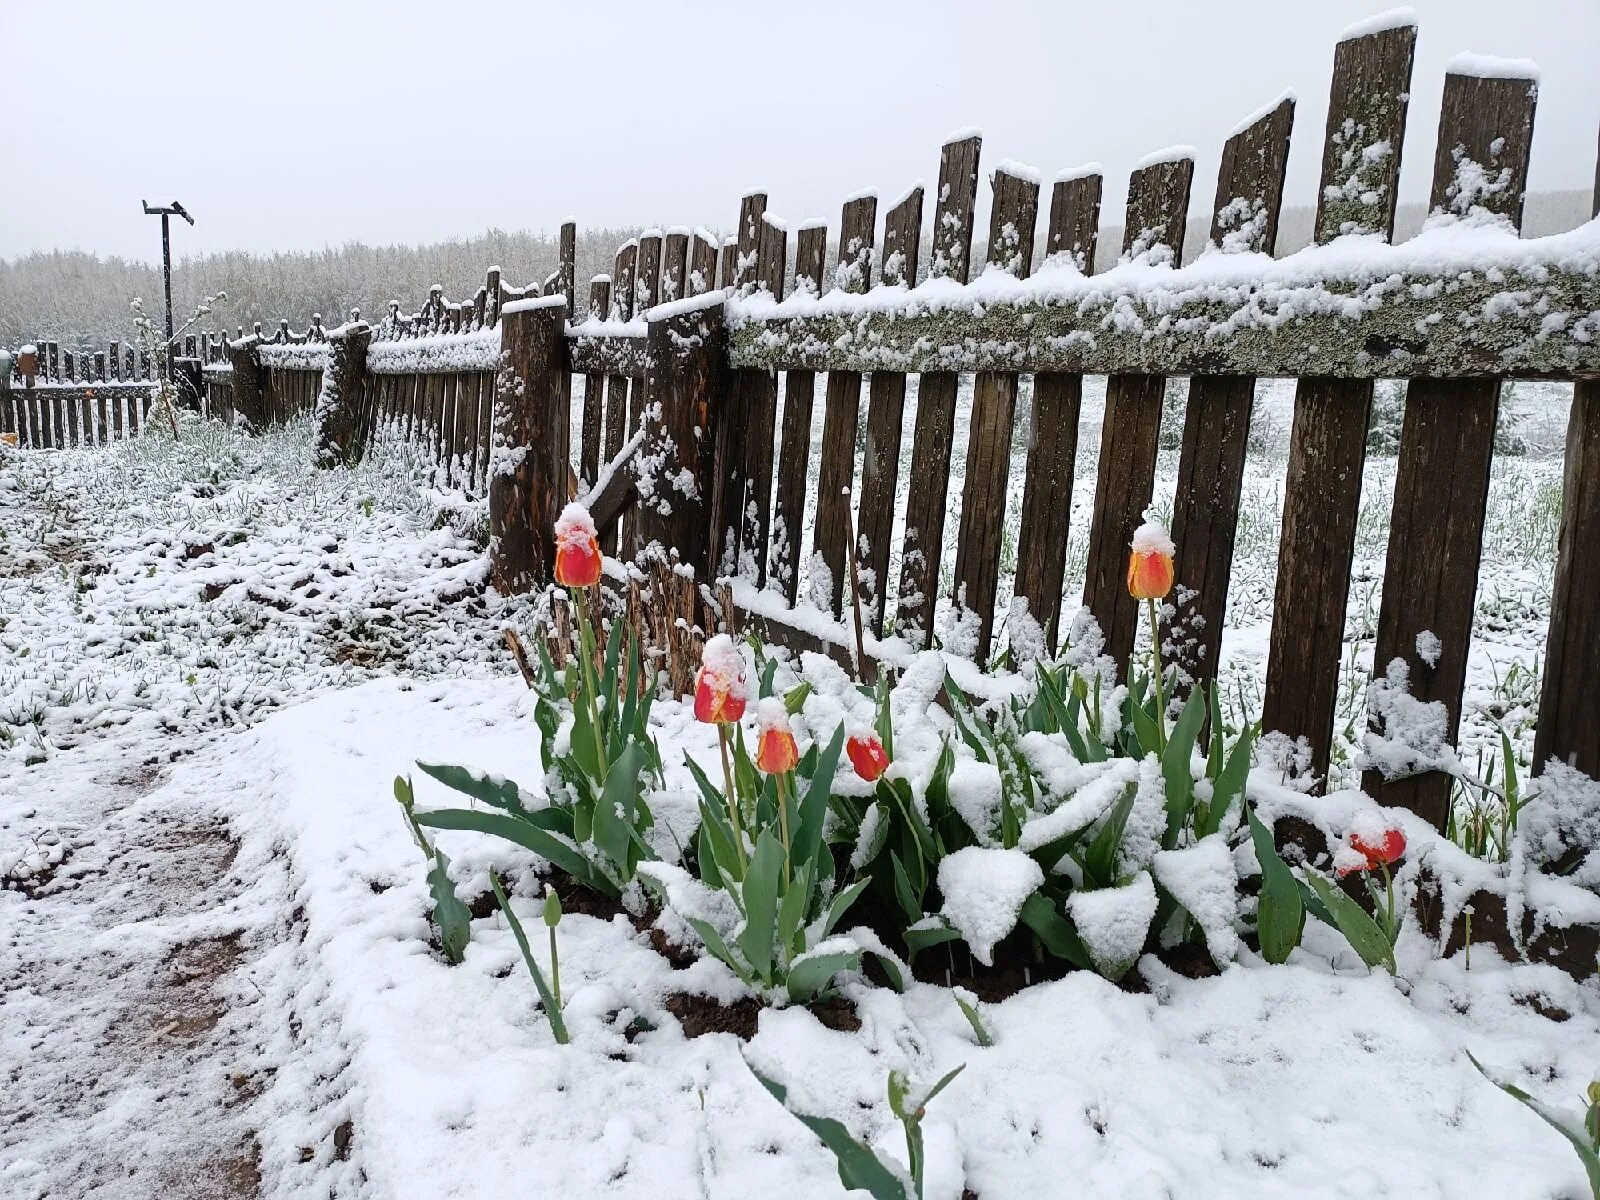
pixel 297 125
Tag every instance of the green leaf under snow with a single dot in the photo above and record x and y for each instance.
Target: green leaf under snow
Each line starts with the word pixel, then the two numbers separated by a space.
pixel 1176 773
pixel 552 1010
pixel 813 806
pixel 494 790
pixel 616 812
pixel 859 1166
pixel 810 974
pixel 451 917
pixel 1280 912
pixel 1567 1128
pixel 1364 934
pixel 1039 914
pixel 525 834
pixel 760 890
pixel 919 937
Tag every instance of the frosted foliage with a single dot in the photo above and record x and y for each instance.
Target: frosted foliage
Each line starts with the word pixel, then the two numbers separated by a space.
pixel 1204 880
pixel 1561 819
pixel 975 795
pixel 984 889
pixel 1114 922
pixel 1410 735
pixel 1147 821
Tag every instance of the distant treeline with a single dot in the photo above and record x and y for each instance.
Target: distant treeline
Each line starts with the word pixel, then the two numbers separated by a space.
pixel 79 298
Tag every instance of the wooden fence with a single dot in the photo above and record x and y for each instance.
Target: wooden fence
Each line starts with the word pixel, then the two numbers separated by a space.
pixel 686 349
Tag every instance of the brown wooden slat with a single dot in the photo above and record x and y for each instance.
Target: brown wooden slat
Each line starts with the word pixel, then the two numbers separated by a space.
pixel 747 241
pixel 1441 494
pixel 617 386
pixel 1569 719
pixel 1158 205
pixel 934 432
pixel 568 268
pixel 1216 427
pixel 886 399
pixel 1012 218
pixel 794 455
pixel 674 265
pixel 842 405
pixel 728 263
pixel 594 389
pixel 1328 442
pixel 532 424
pixel 702 264
pixel 1053 428
pixel 756 393
pixel 648 285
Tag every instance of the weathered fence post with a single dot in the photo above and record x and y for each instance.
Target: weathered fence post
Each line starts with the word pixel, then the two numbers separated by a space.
pixel 528 462
pixel 341 429
pixel 689 446
pixel 249 394
pixel 8 422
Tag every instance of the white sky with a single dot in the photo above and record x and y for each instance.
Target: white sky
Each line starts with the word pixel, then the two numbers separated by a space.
pixel 304 125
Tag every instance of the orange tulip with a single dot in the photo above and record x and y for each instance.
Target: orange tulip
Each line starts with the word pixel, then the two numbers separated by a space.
pixel 1150 568
pixel 577 548
pixel 1375 841
pixel 719 688
pixel 776 752
pixel 867 756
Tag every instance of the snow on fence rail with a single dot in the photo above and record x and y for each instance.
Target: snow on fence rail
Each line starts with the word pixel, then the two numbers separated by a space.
pixel 685 346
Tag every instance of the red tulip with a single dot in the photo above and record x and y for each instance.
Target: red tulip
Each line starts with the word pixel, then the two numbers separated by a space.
pixel 1388 850
pixel 1150 567
pixel 1372 843
pixel 867 756
pixel 577 548
pixel 719 688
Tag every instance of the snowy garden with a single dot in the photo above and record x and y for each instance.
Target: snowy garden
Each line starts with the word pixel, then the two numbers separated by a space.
pixel 503 749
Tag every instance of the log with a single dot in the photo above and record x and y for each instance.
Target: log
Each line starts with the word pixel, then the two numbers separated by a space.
pixel 338 411
pixel 528 467
pixel 249 384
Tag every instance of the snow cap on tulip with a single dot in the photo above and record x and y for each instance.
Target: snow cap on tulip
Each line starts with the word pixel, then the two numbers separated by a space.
pixel 1150 567
pixel 719 688
pixel 776 751
pixel 575 527
pixel 578 559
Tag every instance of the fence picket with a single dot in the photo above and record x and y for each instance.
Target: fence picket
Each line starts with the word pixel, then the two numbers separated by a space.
pixel 1441 491
pixel 1328 441
pixel 934 432
pixel 794 455
pixel 594 388
pixel 1053 428
pixel 842 406
pixel 1216 425
pixel 756 399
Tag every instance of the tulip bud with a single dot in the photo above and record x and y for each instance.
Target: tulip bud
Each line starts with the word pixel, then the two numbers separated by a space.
pixel 552 906
pixel 1150 566
pixel 867 756
pixel 776 752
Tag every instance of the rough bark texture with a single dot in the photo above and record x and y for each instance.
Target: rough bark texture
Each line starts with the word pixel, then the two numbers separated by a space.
pixel 757 393
pixel 936 403
pixel 340 424
pixel 842 414
pixel 1327 447
pixel 1013 215
pixel 528 472
pixel 1216 427
pixel 249 396
pixel 1442 479
pixel 594 390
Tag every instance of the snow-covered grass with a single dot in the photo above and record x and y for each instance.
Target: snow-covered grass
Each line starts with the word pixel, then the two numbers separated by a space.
pixel 346 635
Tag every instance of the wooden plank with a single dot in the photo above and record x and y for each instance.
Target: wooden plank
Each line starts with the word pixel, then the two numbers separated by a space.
pixel 756 393
pixel 674 265
pixel 1569 719
pixel 702 264
pixel 1053 430
pixel 648 284
pixel 618 387
pixel 727 265
pixel 528 481
pixel 842 406
pixel 1441 494
pixel 686 396
pixel 748 241
pixel 594 388
pixel 886 400
pixel 1328 441
pixel 1158 207
pixel 1014 214
pixel 1216 427
pixel 567 270
pixel 794 454
pixel 934 433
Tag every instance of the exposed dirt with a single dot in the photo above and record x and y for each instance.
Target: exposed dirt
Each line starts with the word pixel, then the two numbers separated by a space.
pixel 699 1015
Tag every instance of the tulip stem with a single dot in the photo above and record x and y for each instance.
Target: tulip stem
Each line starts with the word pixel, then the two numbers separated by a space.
pixel 591 685
pixel 783 822
pixel 1155 658
pixel 555 970
pixel 733 799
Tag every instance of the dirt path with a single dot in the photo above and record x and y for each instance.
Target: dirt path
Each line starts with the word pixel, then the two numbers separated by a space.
pixel 127 1012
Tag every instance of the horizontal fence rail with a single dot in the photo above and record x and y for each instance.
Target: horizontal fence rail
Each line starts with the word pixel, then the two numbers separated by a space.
pixel 698 361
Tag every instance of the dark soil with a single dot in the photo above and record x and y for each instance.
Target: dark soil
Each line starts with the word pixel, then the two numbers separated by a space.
pixel 699 1015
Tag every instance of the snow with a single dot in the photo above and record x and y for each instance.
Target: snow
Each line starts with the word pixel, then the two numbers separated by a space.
pixel 1082 171
pixel 962 134
pixel 983 889
pixel 1114 922
pixel 1429 647
pixel 534 303
pixel 1204 879
pixel 689 304
pixel 1018 170
pixel 1394 18
pixel 575 527
pixel 1165 155
pixel 293 356
pixel 1152 538
pixel 441 353
pixel 1487 66
pixel 723 665
pixel 337 1011
pixel 1266 110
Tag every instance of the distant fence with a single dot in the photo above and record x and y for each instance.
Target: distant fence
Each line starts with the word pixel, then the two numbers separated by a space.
pixel 685 347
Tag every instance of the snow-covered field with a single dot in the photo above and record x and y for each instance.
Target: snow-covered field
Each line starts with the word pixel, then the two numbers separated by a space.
pixel 215 662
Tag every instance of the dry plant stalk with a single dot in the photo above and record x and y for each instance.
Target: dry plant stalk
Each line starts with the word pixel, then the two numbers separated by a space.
pixel 514 643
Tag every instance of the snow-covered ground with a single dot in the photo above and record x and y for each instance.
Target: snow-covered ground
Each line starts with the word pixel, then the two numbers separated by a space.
pixel 217 659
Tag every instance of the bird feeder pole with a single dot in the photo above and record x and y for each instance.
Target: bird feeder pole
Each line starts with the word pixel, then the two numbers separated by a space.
pixel 166 212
